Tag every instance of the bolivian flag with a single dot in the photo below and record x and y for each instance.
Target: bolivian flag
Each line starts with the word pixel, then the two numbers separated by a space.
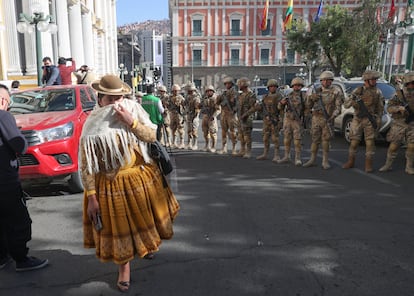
pixel 263 24
pixel 287 24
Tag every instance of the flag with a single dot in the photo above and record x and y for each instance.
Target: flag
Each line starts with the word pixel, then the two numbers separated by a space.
pixel 263 24
pixel 319 13
pixel 391 14
pixel 287 24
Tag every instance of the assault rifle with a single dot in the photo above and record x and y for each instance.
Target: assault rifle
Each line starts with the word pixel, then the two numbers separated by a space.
pixel 324 112
pixel 363 111
pixel 266 113
pixel 226 102
pixel 410 116
pixel 291 108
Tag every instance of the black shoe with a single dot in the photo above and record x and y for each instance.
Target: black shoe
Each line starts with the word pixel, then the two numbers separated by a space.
pixel 31 263
pixel 4 261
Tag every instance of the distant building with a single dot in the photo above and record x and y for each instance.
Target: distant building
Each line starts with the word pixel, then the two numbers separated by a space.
pixel 214 38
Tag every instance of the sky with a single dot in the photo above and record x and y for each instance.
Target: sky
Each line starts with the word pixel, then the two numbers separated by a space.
pixel 131 11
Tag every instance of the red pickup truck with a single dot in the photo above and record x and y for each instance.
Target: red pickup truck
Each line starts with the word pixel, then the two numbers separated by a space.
pixel 51 119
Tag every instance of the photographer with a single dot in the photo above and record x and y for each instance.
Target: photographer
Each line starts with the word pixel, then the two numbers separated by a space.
pixel 65 70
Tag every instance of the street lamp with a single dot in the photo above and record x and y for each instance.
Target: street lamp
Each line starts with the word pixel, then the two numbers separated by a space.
pixel 123 71
pixel 38 22
pixel 302 74
pixel 256 80
pixel 406 27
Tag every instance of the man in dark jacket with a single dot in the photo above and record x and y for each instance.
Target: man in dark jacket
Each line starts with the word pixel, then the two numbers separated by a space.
pixel 15 222
pixel 51 73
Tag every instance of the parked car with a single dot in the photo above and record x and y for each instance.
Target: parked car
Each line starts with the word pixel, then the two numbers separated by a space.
pixel 51 119
pixel 342 123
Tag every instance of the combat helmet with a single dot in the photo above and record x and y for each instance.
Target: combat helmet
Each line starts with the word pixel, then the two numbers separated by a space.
pixel 298 81
pixel 272 82
pixel 176 87
pixel 326 75
pixel 228 79
pixel 210 87
pixel 371 74
pixel 162 88
pixel 244 81
pixel 408 77
pixel 191 87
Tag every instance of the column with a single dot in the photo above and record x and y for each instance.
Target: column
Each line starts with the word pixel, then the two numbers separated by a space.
pixel 88 44
pixel 47 48
pixel 75 32
pixel 62 22
pixel 13 55
pixel 30 42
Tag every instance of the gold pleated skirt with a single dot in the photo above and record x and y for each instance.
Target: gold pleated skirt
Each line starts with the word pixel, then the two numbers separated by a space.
pixel 137 213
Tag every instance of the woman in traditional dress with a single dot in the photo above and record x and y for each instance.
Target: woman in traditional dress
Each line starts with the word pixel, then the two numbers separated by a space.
pixel 127 208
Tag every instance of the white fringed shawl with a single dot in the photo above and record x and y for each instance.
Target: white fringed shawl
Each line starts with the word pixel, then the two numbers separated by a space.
pixel 105 135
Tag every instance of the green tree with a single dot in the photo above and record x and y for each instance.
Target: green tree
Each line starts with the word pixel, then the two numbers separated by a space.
pixel 345 41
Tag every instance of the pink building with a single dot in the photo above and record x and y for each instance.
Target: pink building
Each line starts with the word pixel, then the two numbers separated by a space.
pixel 215 38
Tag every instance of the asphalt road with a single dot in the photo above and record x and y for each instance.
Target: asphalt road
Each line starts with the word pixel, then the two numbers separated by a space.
pixel 246 227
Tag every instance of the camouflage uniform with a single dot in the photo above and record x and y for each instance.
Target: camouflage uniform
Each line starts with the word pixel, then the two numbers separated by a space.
pixel 373 99
pixel 401 108
pixel 176 110
pixel 294 109
pixel 210 110
pixel 271 119
pixel 325 104
pixel 227 101
pixel 245 112
pixel 165 100
pixel 192 106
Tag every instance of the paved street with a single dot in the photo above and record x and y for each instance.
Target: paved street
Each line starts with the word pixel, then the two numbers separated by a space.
pixel 246 227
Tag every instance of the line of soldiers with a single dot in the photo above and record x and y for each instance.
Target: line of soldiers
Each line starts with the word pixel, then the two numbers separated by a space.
pixel 286 113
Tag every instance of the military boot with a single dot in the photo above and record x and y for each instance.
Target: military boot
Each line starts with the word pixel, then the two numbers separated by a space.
pixel 298 151
pixel 233 149
pixel 368 164
pixel 173 143
pixel 286 158
pixel 311 161
pixel 206 139
pixel 409 156
pixel 351 155
pixel 194 146
pixel 223 150
pixel 325 158
pixel 276 156
pixel 213 144
pixel 350 163
pixel 265 152
pixel 391 155
pixel 189 143
pixel 248 153
pixel 181 145
pixel 242 150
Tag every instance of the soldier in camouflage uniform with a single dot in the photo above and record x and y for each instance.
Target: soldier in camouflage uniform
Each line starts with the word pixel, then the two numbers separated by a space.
pixel 365 98
pixel 401 108
pixel 165 100
pixel 245 112
pixel 227 101
pixel 271 119
pixel 192 106
pixel 210 110
pixel 176 110
pixel 294 108
pixel 325 104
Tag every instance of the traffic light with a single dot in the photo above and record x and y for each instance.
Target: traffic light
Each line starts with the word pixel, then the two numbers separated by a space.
pixel 157 73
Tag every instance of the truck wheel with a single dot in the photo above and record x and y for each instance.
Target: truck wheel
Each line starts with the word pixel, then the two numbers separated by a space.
pixel 75 183
pixel 347 129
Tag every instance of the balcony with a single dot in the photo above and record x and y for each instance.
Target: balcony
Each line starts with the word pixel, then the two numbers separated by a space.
pixel 235 32
pixel 196 63
pixel 197 33
pixel 235 62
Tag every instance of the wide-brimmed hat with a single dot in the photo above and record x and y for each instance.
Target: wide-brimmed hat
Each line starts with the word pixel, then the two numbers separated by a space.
pixel 111 85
